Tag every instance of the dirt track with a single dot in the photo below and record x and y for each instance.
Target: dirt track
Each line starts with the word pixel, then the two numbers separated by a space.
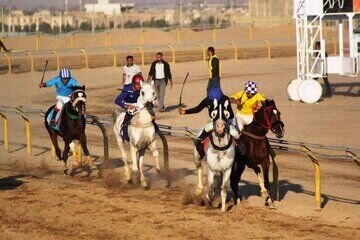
pixel 37 202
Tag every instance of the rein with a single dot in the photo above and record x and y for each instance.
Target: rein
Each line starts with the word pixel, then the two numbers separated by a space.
pixel 253 135
pixel 220 148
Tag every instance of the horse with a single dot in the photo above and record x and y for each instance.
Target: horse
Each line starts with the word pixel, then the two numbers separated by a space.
pixel 256 149
pixel 71 129
pixel 220 153
pixel 141 134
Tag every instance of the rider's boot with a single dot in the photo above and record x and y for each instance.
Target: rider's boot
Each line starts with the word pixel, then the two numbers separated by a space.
pixel 198 143
pixel 53 117
pixel 124 127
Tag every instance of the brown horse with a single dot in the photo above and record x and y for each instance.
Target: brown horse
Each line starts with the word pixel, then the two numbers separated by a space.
pixel 72 127
pixel 254 148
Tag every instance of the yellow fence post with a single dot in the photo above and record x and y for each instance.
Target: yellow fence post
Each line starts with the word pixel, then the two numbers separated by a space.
pixel 37 42
pixel 142 55
pixel 6 131
pixel 178 35
pixel 114 56
pixel 79 154
pixel 354 157
pixel 72 38
pixel 268 48
pixel 28 131
pixel 317 175
pixel 31 61
pixel 143 37
pixel 275 175
pixel 173 53
pixel 235 50
pixel 203 51
pixel 86 58
pixel 9 62
pixel 288 30
pixel 52 151
pixel 106 39
pixel 57 60
pixel 250 32
pixel 213 34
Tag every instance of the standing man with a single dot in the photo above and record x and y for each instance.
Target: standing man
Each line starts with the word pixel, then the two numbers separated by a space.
pixel 130 70
pixel 328 89
pixel 214 69
pixel 161 74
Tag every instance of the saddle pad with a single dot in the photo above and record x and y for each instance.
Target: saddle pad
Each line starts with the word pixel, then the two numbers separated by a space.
pixel 48 120
pixel 205 143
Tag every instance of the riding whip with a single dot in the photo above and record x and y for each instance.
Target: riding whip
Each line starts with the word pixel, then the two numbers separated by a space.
pixel 182 88
pixel 42 79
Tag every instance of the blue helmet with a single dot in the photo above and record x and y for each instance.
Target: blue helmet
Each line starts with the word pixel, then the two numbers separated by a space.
pixel 215 93
pixel 65 73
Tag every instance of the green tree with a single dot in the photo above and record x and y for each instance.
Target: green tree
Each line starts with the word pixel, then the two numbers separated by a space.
pixel 195 22
pixel 33 27
pixel 26 28
pixel 68 28
pixel 86 26
pixel 17 28
pixel 101 27
pixel 45 27
pixel 211 20
pixel 131 24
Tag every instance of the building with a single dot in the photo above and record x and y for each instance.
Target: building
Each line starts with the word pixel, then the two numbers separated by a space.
pixel 104 6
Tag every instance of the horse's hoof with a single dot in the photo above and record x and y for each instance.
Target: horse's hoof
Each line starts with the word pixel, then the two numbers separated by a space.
pixel 264 194
pixel 129 181
pixel 198 191
pixel 238 201
pixel 223 209
pixel 144 185
pixel 65 173
pixel 272 206
pixel 158 170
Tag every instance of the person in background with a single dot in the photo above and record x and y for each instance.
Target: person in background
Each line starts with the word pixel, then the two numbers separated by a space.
pixel 161 74
pixel 247 101
pixel 214 69
pixel 130 70
pixel 325 74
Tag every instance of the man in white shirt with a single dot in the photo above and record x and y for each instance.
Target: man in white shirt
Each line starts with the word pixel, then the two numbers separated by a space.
pixel 130 70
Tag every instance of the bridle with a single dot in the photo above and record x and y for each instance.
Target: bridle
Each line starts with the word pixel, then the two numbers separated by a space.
pixel 78 99
pixel 268 125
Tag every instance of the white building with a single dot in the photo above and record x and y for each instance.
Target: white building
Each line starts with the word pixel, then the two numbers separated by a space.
pixel 104 6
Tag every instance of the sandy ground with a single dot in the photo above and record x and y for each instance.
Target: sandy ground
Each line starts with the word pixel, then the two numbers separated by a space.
pixel 37 202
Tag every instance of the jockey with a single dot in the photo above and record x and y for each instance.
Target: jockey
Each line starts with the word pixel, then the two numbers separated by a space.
pixel 64 85
pixel 127 100
pixel 248 102
pixel 215 93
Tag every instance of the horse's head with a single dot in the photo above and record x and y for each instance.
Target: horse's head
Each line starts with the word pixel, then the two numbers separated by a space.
pixel 219 116
pixel 268 117
pixel 78 99
pixel 147 96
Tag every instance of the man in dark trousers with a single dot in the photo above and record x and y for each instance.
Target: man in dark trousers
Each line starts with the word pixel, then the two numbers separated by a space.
pixel 214 69
pixel 161 74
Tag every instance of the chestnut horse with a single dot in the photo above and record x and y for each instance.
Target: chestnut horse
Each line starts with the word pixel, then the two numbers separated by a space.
pixel 254 148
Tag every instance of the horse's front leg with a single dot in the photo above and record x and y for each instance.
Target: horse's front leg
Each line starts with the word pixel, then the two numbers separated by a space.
pixel 77 163
pixel 265 167
pixel 55 143
pixel 133 156
pixel 66 155
pixel 141 165
pixel 124 157
pixel 83 142
pixel 155 154
pixel 225 182
pixel 211 191
pixel 238 168
pixel 264 192
pixel 199 169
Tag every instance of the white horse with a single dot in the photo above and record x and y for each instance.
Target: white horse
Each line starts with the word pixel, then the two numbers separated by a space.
pixel 141 134
pixel 220 154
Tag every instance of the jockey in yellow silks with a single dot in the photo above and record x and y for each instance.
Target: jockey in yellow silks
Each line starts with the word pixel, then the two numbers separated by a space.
pixel 248 102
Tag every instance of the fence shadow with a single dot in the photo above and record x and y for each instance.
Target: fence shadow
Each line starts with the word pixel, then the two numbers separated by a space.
pixel 11 182
pixel 248 189
pixel 346 89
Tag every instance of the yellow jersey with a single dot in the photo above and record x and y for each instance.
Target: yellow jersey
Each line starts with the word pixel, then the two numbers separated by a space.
pixel 249 105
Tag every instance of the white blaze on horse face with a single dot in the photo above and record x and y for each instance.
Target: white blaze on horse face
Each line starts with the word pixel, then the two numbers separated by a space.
pixel 219 126
pixel 214 112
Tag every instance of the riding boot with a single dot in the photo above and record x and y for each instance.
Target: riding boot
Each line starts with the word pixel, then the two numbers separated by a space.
pixel 198 143
pixel 124 127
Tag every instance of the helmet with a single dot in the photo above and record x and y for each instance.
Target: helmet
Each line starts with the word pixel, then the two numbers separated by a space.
pixel 215 93
pixel 137 79
pixel 250 87
pixel 65 73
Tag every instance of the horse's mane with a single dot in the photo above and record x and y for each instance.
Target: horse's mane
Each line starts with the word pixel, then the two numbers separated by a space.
pixel 268 102
pixel 78 88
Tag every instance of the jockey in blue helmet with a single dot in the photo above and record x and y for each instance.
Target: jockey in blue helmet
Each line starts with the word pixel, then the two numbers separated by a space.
pixel 215 96
pixel 64 85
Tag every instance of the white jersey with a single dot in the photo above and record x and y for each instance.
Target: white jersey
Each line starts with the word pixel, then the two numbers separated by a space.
pixel 130 72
